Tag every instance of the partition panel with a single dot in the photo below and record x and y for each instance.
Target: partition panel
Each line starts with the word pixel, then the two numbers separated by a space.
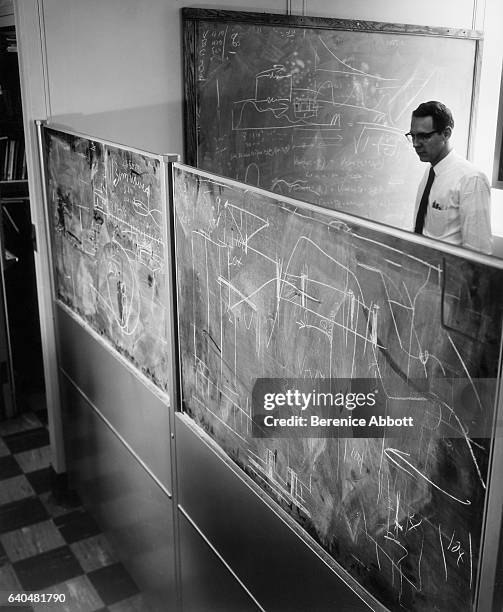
pixel 133 407
pixel 266 556
pixel 132 509
pixel 107 221
pixel 272 291
pixel 207 585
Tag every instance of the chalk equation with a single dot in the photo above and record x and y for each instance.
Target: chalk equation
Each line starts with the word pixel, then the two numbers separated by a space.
pixel 109 248
pixel 267 289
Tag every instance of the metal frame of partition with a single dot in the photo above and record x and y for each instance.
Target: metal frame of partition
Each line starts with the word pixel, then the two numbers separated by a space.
pixel 493 510
pixel 54 412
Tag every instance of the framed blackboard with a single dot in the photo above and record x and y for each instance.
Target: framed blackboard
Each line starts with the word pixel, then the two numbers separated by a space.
pixel 106 206
pixel 272 288
pixel 317 109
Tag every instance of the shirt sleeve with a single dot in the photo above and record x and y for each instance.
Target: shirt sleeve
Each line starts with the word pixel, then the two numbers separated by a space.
pixel 475 213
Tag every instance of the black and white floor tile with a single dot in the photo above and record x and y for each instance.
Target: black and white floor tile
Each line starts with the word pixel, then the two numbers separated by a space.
pixel 48 542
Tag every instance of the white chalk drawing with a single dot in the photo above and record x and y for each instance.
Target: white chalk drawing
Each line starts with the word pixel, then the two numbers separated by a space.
pixel 108 245
pixel 267 290
pixel 321 115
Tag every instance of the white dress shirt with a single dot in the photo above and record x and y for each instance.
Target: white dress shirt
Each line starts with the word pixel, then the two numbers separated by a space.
pixel 459 204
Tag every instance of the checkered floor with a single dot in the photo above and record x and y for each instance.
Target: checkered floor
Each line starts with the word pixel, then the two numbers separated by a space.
pixel 48 542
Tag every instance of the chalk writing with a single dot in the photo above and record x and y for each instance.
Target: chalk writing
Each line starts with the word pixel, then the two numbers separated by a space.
pixel 309 106
pixel 268 289
pixel 108 244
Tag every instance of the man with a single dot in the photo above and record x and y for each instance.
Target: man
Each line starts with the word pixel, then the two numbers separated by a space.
pixel 453 199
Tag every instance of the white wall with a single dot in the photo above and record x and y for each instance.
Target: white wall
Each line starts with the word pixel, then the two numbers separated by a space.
pixel 115 67
pixel 489 95
pixel 446 13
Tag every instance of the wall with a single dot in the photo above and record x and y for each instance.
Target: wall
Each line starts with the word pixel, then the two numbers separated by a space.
pixel 114 67
pixel 487 116
pixel 429 12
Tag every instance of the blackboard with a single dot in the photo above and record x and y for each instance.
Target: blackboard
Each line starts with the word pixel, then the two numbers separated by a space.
pixel 268 287
pixel 317 109
pixel 108 229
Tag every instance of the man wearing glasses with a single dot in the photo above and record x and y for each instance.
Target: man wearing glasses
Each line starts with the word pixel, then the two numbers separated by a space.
pixel 453 198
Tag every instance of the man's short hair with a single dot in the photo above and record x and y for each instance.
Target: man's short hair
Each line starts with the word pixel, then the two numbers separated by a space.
pixel 441 115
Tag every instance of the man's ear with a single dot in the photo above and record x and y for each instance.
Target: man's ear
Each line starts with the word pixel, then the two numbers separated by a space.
pixel 447 132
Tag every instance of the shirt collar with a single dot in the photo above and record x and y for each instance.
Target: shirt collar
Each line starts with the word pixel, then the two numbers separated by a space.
pixel 444 164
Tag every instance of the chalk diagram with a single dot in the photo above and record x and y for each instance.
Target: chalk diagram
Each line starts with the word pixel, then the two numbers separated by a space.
pixel 276 292
pixel 284 105
pixel 338 87
pixel 109 246
pixel 347 113
pixel 321 116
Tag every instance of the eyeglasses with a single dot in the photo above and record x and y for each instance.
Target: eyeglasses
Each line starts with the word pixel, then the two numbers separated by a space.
pixel 420 136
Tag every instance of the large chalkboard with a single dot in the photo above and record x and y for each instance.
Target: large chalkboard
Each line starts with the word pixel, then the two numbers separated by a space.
pixel 108 226
pixel 271 288
pixel 317 109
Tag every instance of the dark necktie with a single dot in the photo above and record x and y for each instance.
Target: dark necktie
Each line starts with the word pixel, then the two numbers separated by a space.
pixel 423 205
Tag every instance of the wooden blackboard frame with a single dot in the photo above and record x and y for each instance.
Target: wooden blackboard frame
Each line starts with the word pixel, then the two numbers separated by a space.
pixel 191 16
